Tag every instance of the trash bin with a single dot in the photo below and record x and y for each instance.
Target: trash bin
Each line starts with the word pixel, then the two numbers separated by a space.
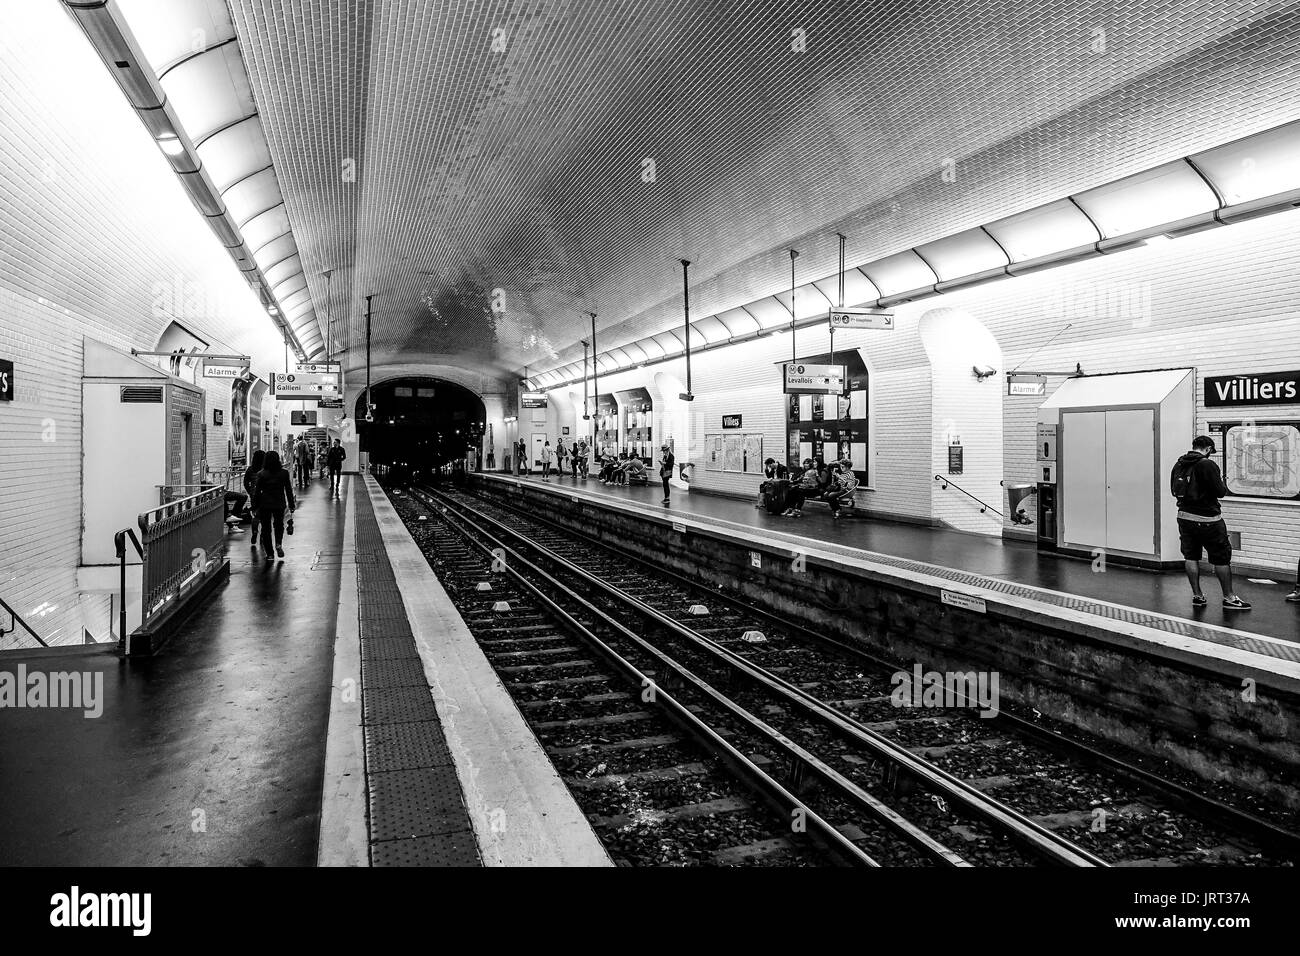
pixel 1017 494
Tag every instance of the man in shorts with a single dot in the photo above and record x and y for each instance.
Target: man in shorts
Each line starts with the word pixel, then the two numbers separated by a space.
pixel 1198 485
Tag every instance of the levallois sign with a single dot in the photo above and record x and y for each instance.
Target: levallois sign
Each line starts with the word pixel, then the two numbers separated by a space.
pixel 799 378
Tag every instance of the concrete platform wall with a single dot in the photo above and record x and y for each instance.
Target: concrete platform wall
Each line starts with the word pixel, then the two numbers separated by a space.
pixel 1162 697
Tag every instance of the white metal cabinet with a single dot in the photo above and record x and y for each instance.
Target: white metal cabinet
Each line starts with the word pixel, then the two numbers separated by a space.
pixel 1108 480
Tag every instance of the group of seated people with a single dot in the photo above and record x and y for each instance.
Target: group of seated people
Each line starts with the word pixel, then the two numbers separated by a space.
pixel 815 480
pixel 622 469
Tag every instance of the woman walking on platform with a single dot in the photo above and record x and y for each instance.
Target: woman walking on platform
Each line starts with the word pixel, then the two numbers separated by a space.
pixel 255 465
pixel 274 493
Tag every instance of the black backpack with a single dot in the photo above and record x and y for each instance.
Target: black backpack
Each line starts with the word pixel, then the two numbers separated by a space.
pixel 1182 480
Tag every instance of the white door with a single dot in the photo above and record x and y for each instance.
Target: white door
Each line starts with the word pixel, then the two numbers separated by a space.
pixel 1083 479
pixel 1130 480
pixel 539 439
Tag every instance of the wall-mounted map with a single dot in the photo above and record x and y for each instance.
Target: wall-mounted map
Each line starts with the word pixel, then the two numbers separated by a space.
pixel 1261 459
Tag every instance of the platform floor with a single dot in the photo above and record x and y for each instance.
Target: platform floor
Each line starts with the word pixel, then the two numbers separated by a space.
pixel 210 753
pixel 1161 592
pixel 416 808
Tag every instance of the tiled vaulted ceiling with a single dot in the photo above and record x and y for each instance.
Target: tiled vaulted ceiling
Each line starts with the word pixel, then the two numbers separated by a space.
pixel 432 152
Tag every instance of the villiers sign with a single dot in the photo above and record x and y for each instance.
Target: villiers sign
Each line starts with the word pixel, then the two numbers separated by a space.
pixel 1266 388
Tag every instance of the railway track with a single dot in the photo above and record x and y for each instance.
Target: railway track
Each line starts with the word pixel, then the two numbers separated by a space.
pixel 904 786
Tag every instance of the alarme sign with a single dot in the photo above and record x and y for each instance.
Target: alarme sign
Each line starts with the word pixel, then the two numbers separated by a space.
pixel 1266 388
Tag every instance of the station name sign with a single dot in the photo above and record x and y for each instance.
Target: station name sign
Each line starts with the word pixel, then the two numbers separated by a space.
pixel 731 421
pixel 1267 388
pixel 532 399
pixel 801 379
pixel 6 380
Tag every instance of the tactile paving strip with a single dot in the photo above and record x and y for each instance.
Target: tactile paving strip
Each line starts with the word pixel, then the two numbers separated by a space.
pixel 405 747
pixel 445 849
pixel 417 814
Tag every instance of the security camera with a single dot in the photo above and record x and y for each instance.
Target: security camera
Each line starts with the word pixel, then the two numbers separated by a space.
pixel 983 371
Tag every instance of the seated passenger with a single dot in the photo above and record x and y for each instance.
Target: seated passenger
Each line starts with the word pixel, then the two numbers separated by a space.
pixel 846 483
pixel 769 473
pixel 802 490
pixel 634 470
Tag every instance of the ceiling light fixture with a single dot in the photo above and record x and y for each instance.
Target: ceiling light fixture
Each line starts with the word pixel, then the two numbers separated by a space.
pixel 170 144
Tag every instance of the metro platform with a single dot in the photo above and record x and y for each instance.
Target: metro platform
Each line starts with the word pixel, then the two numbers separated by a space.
pixel 326 709
pixel 1133 599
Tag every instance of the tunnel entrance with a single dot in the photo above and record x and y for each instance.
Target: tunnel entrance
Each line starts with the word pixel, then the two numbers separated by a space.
pixel 420 424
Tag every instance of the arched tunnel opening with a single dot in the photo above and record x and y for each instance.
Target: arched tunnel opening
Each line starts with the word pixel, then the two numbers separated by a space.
pixel 420 424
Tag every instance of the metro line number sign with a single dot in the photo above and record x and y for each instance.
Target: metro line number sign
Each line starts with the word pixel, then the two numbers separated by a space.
pixel 799 378
pixel 861 319
pixel 292 387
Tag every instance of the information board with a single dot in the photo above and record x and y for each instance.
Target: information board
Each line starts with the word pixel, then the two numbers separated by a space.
pixel 713 453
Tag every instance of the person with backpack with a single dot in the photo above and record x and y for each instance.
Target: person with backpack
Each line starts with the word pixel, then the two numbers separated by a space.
pixel 1198 485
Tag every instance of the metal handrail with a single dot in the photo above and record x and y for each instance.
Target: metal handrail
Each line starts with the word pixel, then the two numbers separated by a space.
pixel 181 545
pixel 119 542
pixel 15 619
pixel 984 505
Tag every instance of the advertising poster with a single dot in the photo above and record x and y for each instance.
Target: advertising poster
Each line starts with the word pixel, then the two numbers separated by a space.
pixel 239 423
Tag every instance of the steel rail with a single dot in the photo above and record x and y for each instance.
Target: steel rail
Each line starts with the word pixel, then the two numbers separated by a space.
pixel 772 790
pixel 1034 837
pixel 1206 808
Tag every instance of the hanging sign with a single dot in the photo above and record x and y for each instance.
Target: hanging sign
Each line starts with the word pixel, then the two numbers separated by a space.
pixel 861 319
pixel 532 399
pixel 1024 385
pixel 211 370
pixel 318 368
pixel 801 379
pixel 292 387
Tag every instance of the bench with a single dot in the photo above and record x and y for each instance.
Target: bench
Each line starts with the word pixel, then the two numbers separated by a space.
pixel 849 512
